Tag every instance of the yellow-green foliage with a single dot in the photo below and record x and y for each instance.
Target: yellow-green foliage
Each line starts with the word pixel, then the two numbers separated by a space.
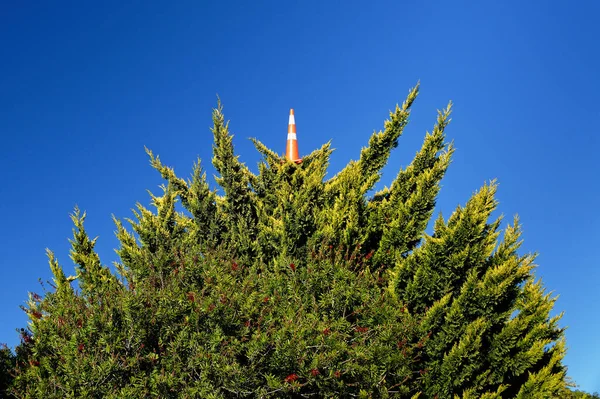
pixel 290 285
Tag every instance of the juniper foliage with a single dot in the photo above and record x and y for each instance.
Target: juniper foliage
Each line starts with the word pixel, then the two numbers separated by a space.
pixel 7 364
pixel 290 285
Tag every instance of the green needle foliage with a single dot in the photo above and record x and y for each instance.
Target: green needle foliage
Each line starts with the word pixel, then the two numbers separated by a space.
pixel 7 364
pixel 290 285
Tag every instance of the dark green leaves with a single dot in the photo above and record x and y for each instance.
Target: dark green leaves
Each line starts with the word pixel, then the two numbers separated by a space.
pixel 287 285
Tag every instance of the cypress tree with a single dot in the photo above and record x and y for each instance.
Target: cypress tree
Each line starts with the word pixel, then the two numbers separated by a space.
pixel 7 364
pixel 289 284
pixel 487 324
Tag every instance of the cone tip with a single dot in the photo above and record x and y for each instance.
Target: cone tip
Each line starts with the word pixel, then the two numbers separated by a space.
pixel 291 111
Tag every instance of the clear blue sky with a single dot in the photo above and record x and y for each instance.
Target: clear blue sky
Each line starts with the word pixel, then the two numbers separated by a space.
pixel 84 86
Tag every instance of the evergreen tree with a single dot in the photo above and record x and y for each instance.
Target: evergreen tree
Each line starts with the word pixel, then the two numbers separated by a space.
pixel 289 284
pixel 576 394
pixel 486 321
pixel 7 364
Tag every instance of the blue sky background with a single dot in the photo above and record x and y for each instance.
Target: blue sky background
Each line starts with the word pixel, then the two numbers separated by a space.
pixel 85 85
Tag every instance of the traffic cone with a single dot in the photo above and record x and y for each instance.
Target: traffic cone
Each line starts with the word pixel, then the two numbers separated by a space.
pixel 291 151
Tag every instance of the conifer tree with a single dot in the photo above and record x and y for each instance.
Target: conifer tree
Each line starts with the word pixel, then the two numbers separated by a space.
pixel 287 284
pixel 486 320
pixel 7 360
pixel 576 394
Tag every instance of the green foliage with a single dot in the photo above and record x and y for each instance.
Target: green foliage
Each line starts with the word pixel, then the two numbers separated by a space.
pixel 575 394
pixel 292 285
pixel 7 364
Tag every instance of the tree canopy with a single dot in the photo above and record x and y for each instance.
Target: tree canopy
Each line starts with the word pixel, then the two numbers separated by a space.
pixel 288 284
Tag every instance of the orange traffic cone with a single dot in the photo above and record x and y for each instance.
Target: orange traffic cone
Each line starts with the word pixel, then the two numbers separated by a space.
pixel 291 151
